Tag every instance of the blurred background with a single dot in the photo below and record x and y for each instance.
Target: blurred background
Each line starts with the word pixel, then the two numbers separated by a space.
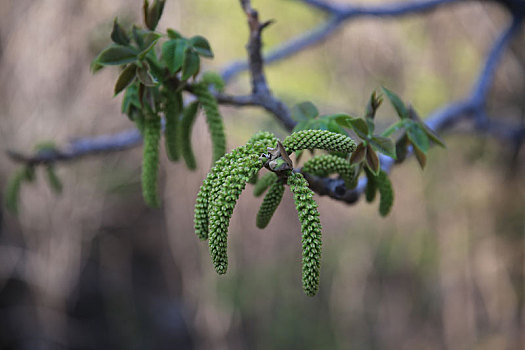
pixel 95 269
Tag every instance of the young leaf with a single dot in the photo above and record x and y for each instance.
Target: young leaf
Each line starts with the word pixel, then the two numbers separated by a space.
pixel 421 157
pixel 430 133
pixel 191 65
pixel 116 55
pixel 173 53
pixel 357 124
pixel 304 111
pixel 173 34
pixel 402 148
pixel 201 45
pixel 418 137
pixel 126 77
pixel 372 106
pixel 145 77
pixel 383 145
pixel 372 160
pixel 154 14
pixel 398 104
pixel 118 35
pixel 359 154
pixel 150 39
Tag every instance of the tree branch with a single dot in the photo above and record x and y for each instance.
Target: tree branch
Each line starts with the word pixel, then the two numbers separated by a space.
pixel 440 120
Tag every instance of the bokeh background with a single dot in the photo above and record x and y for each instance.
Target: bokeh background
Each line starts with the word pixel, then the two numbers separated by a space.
pixel 95 269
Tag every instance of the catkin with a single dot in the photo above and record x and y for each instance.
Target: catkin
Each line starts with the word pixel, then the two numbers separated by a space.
pixel 223 167
pixel 386 193
pixel 12 194
pixel 188 118
pixel 150 161
pixel 263 183
pixel 311 232
pixel 52 178
pixel 321 139
pixel 213 119
pixel 172 115
pixel 269 205
pixel 222 209
pixel 371 186
pixel 325 165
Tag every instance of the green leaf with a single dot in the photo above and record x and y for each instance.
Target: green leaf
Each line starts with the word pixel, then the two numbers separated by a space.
pixel 145 77
pixel 357 124
pixel 421 157
pixel 201 45
pixel 150 39
pixel 394 127
pixel 433 136
pixel 191 65
pixel 118 35
pixel 372 160
pixel 116 55
pixel 304 111
pixel 173 34
pixel 418 137
pixel 383 145
pixel 152 15
pixel 126 77
pixel 402 148
pixel 373 104
pixel 398 104
pixel 173 53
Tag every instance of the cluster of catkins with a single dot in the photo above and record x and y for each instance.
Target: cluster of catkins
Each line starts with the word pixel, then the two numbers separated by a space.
pixel 177 134
pixel 226 180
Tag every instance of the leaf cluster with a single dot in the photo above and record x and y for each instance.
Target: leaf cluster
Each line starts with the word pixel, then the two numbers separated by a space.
pixel 155 71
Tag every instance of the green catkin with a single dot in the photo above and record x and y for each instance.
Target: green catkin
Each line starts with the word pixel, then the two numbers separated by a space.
pixel 52 178
pixel 213 119
pixel 188 118
pixel 222 209
pixel 386 193
pixel 311 232
pixel 253 180
pixel 214 79
pixel 321 139
pixel 263 183
pixel 12 194
pixel 215 178
pixel 172 116
pixel 150 161
pixel 325 165
pixel 371 186
pixel 269 205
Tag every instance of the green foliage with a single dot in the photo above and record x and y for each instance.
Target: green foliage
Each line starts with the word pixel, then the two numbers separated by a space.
pixel 263 183
pixel 320 139
pixel 150 161
pixel 213 118
pixel 269 205
pixel 188 118
pixel 311 232
pixel 325 165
